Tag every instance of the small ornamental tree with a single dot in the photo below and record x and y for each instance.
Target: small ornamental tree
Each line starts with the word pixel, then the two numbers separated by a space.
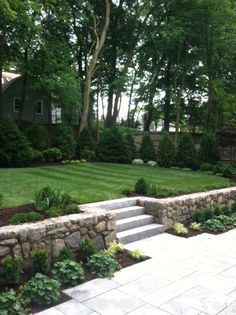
pixel 37 136
pixel 14 146
pixel 208 149
pixel 166 151
pixel 147 151
pixel 186 154
pixel 85 142
pixel 131 148
pixel 65 140
pixel 112 148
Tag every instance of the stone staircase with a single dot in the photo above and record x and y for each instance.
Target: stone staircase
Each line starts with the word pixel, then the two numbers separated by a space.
pixel 133 224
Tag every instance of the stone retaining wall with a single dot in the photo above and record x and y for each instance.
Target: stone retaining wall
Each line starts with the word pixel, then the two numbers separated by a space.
pixel 56 233
pixel 180 209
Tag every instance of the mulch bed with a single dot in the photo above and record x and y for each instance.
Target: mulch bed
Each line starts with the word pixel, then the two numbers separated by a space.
pixel 195 233
pixel 123 259
pixel 7 213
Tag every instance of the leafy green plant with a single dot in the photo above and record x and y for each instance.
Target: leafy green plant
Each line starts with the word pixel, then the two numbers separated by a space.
pixel 214 225
pixel 112 147
pixel 72 208
pixel 228 171
pixel 23 217
pixel 202 215
pixel 151 163
pixel 233 207
pixel 10 304
pixel 218 169
pixel 131 148
pixel 37 136
pixel 53 212
pixel 1 200
pixel 195 226
pixel 86 249
pixel 47 198
pixel 147 151
pixel 86 145
pixel 166 151
pixel 66 253
pixel 37 156
pixel 225 210
pixel 41 290
pixel 40 261
pixel 136 254
pixel 52 155
pixel 68 272
pixel 180 229
pixel 15 149
pixel 103 264
pixel 186 155
pixel 208 149
pixel 114 248
pixel 11 270
pixel 65 141
pixel 227 221
pixel 141 186
pixel 206 167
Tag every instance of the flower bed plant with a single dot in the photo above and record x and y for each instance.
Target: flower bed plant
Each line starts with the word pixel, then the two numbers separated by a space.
pixel 41 285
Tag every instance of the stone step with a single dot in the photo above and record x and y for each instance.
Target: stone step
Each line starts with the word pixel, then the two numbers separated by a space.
pixel 124 213
pixel 140 233
pixel 133 222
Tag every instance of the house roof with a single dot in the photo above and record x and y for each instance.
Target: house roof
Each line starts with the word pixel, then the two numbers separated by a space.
pixel 8 78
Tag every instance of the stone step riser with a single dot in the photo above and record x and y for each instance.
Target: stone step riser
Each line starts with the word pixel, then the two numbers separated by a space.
pixel 140 235
pixel 123 214
pixel 120 226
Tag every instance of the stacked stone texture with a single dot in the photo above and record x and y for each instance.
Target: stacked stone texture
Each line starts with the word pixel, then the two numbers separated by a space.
pixel 180 209
pixel 56 233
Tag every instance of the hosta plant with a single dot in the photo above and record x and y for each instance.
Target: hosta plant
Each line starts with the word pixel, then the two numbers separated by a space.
pixel 180 229
pixel 68 272
pixel 114 248
pixel 195 226
pixel 136 254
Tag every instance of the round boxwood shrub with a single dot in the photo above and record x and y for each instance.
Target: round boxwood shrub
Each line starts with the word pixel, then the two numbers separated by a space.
pixel 65 140
pixel 111 147
pixel 166 151
pixel 186 154
pixel 14 149
pixel 141 186
pixel 37 136
pixel 208 151
pixel 206 167
pixel 147 151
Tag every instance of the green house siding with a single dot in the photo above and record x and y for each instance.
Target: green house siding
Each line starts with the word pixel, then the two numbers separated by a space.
pixel 29 111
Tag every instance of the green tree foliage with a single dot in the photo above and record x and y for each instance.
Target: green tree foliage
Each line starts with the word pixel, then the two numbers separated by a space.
pixel 38 137
pixel 186 155
pixel 112 147
pixel 85 142
pixel 208 151
pixel 166 151
pixel 14 149
pixel 131 148
pixel 65 140
pixel 147 151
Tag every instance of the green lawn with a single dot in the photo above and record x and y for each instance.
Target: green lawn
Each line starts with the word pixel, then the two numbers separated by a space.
pixel 97 181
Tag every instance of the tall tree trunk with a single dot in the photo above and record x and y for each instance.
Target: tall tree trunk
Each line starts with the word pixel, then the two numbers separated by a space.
pixel 1 68
pixel 100 40
pixel 167 97
pixel 24 87
pixel 130 98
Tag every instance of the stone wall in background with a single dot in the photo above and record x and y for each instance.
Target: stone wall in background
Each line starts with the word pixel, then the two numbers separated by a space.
pixel 180 209
pixel 56 233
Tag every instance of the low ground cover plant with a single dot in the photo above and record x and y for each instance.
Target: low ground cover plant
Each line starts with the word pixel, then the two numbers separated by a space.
pixel 24 217
pixel 68 272
pixel 103 264
pixel 11 304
